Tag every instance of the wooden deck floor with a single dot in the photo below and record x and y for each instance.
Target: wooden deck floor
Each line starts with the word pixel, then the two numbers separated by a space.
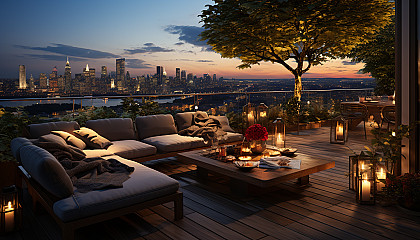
pixel 324 210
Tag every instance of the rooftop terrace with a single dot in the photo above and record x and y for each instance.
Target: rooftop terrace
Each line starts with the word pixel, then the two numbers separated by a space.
pixel 324 210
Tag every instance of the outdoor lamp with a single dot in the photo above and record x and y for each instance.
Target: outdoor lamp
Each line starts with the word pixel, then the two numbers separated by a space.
pixel 249 114
pixel 10 210
pixel 262 110
pixel 366 184
pixel 339 130
pixel 279 138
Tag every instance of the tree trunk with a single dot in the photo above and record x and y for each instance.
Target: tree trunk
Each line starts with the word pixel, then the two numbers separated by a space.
pixel 298 86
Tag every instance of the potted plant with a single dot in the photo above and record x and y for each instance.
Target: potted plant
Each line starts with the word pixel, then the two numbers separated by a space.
pixel 257 135
pixel 11 125
pixel 405 189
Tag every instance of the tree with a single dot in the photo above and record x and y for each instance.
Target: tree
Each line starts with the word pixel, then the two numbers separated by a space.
pixel 379 58
pixel 297 34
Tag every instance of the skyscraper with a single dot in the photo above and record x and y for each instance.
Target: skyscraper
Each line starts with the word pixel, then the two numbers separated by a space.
pixel 104 72
pixel 67 77
pixel 22 77
pixel 31 83
pixel 43 82
pixel 183 77
pixel 53 82
pixel 177 76
pixel 159 74
pixel 120 68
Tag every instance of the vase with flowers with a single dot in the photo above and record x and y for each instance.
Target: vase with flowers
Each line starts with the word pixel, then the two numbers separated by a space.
pixel 257 135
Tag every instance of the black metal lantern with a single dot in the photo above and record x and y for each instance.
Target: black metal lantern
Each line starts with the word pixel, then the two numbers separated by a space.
pixel 249 115
pixel 10 210
pixel 380 173
pixel 353 172
pixel 262 114
pixel 279 138
pixel 339 130
pixel 366 181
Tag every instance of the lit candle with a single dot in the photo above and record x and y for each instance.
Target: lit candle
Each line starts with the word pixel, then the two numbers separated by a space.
pixel 245 158
pixel 380 176
pixel 339 132
pixel 393 133
pixel 246 150
pixel 263 114
pixel 279 141
pixel 365 190
pixel 9 217
pixel 250 118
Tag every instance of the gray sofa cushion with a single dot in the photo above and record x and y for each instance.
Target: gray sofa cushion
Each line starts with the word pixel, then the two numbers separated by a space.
pixel 46 170
pixel 184 120
pixel 37 130
pixel 174 142
pixel 144 184
pixel 155 125
pixel 70 139
pixel 92 138
pixel 131 149
pixel 113 129
pixel 16 144
pixel 53 138
pixel 224 122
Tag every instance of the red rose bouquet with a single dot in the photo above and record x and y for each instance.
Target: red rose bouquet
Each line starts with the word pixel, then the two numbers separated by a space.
pixel 256 132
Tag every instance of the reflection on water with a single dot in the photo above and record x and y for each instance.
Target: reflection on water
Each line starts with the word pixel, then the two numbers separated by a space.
pixel 102 102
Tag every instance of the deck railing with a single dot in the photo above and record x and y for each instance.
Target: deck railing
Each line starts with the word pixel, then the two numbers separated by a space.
pixel 204 101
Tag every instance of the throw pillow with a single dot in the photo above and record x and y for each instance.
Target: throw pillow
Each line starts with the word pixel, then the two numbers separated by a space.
pixel 70 139
pixel 52 138
pixel 224 122
pixel 92 138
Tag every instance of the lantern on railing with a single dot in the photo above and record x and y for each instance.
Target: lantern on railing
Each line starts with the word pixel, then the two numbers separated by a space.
pixel 279 138
pixel 10 210
pixel 366 181
pixel 339 130
pixel 249 115
pixel 262 113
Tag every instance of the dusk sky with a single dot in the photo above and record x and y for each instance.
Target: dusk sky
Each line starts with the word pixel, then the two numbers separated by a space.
pixel 41 34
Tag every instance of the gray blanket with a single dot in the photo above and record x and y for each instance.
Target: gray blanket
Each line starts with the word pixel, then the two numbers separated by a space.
pixel 88 174
pixel 204 127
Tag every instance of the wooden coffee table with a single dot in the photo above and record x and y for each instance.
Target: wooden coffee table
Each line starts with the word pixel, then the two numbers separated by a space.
pixel 241 180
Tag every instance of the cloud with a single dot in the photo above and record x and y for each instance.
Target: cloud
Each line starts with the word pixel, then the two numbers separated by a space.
pixel 179 43
pixel 136 63
pixel 189 34
pixel 148 48
pixel 67 50
pixel 55 57
pixel 349 63
pixel 205 61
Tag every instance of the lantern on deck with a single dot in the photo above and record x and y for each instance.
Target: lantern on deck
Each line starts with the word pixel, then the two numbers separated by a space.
pixel 380 173
pixel 10 210
pixel 339 130
pixel 352 172
pixel 366 181
pixel 262 113
pixel 249 115
pixel 279 138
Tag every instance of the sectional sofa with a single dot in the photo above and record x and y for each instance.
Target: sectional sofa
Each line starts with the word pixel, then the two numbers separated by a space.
pixel 155 136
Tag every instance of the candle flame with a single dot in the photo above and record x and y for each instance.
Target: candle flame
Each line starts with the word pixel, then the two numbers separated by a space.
pixel 393 133
pixel 382 170
pixel 9 206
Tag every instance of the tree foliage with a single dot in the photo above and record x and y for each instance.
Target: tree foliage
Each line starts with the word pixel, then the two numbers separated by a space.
pixel 379 58
pixel 297 34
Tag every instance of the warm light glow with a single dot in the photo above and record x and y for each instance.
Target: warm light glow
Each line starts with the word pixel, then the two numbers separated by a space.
pixel 9 217
pixel 365 190
pixel 246 150
pixel 339 132
pixel 9 207
pixel 245 158
pixel 393 133
pixel 279 140
pixel 250 118
pixel 263 114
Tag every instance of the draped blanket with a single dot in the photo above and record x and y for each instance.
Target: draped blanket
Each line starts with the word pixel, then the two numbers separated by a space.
pixel 88 174
pixel 204 127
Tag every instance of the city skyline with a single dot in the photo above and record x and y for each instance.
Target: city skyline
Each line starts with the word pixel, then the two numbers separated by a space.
pixel 51 31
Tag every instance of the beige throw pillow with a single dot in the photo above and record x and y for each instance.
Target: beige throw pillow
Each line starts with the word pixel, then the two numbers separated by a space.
pixel 70 139
pixel 91 138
